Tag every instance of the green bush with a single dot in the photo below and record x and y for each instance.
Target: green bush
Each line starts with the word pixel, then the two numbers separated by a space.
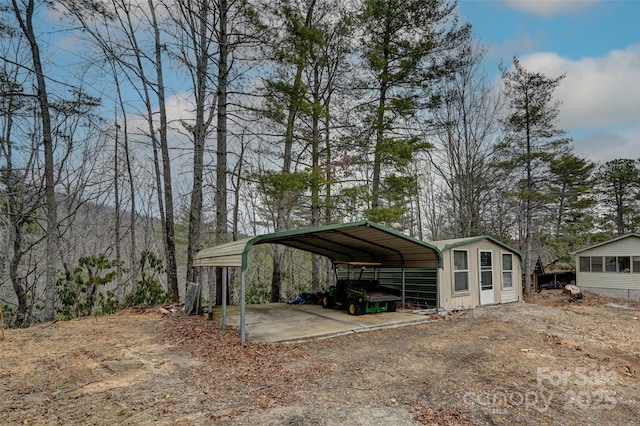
pixel 108 302
pixel 9 312
pixel 148 291
pixel 79 290
pixel 258 292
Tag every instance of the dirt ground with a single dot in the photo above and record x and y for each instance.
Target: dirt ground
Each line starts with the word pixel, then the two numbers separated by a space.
pixel 547 361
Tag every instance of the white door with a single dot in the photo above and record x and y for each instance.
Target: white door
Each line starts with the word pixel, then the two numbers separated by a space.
pixel 487 295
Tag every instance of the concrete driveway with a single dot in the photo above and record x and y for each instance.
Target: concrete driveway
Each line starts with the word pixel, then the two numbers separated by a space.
pixel 281 322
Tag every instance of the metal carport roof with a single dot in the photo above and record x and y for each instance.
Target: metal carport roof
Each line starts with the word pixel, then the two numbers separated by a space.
pixel 349 242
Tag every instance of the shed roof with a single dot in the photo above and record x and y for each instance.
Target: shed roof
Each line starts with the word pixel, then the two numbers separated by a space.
pixel 444 245
pixel 603 243
pixel 350 242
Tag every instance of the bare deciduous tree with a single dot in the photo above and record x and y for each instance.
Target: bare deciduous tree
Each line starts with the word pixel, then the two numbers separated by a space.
pixel 24 14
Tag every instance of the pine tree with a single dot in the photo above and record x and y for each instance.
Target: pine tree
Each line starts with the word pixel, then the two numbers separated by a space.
pixel 619 183
pixel 570 213
pixel 407 46
pixel 531 142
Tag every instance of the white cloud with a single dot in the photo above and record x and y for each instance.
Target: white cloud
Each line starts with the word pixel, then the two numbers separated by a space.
pixel 547 8
pixel 604 145
pixel 596 92
pixel 600 100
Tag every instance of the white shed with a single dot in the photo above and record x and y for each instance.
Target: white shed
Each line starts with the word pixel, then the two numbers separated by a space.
pixel 478 271
pixel 611 268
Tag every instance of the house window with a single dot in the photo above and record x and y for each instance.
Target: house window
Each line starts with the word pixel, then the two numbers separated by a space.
pixel 617 263
pixel 636 265
pixel 610 264
pixel 507 270
pixel 624 264
pixel 585 264
pixel 460 271
pixel 596 264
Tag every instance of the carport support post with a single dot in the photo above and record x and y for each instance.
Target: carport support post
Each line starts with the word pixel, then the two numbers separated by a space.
pixel 224 297
pixel 242 307
pixel 212 284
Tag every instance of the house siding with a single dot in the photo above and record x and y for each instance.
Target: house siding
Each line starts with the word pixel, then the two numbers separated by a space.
pixel 629 246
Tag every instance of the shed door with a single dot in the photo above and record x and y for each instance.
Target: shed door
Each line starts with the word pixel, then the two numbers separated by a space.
pixel 487 295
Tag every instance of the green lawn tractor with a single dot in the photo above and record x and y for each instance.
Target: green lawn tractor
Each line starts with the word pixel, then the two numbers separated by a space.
pixel 360 296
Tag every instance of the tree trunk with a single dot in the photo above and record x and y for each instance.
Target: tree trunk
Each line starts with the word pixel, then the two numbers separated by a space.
pixel 16 213
pixel 528 211
pixel 199 135
pixel 293 107
pixel 377 159
pixel 116 192
pixel 328 173
pixel 171 267
pixel 315 172
pixel 237 187
pixel 26 24
pixel 14 274
pixel 132 191
pixel 221 134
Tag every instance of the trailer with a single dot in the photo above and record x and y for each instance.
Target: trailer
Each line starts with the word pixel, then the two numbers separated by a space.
pixel 360 296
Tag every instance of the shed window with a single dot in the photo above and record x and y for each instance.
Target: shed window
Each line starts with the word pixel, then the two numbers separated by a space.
pixel 636 265
pixel 507 270
pixel 460 271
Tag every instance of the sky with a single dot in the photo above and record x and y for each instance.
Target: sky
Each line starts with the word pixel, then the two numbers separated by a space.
pixel 596 43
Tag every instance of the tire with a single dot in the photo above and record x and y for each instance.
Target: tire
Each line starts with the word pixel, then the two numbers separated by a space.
pixel 351 309
pixel 392 306
pixel 327 301
pixel 356 308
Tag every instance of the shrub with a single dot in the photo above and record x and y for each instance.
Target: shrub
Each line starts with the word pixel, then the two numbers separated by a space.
pixel 148 291
pixel 79 290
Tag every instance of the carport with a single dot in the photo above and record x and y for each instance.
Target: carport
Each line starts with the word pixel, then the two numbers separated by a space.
pixel 361 242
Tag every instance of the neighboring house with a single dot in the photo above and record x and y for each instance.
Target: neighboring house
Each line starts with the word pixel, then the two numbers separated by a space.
pixel 478 271
pixel 610 268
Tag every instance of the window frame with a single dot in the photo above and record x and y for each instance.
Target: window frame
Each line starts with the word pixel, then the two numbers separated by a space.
pixel 584 263
pixel 601 264
pixel 456 272
pixel 614 264
pixel 609 264
pixel 506 271
pixel 482 269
